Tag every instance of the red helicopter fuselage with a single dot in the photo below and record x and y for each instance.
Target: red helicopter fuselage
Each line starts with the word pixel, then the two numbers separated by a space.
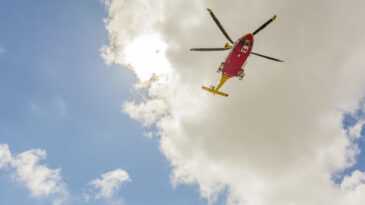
pixel 237 56
pixel 234 63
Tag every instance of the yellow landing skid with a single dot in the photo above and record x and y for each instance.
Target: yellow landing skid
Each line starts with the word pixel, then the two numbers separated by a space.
pixel 215 91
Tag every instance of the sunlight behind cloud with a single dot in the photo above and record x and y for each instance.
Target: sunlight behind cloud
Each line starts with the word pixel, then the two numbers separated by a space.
pixel 146 55
pixel 137 46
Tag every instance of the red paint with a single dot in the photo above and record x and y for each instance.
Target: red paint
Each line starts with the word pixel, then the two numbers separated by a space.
pixel 237 57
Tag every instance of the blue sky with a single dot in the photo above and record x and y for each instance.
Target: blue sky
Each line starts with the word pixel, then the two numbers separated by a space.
pixel 58 94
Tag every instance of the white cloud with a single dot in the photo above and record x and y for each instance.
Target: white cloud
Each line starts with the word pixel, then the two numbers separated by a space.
pixel 148 112
pixel 40 180
pixel 351 182
pixel 144 53
pixel 5 155
pixel 108 184
pixel 352 188
pixel 355 131
pixel 279 137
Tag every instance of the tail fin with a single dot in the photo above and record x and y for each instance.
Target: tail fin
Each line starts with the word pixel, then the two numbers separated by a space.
pixel 215 91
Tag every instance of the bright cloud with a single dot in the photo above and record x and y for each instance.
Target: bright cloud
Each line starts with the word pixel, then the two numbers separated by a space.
pixel 149 112
pixel 5 155
pixel 108 184
pixel 145 53
pixel 40 180
pixel 279 137
pixel 355 131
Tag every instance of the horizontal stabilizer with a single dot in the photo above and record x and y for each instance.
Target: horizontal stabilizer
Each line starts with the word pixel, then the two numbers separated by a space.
pixel 215 91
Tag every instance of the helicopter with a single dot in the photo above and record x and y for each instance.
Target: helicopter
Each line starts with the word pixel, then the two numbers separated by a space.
pixel 236 59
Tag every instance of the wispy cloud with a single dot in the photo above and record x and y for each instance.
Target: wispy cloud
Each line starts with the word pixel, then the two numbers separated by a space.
pixel 40 180
pixel 60 106
pixel 148 112
pixel 56 107
pixel 2 50
pixel 107 185
pixel 34 108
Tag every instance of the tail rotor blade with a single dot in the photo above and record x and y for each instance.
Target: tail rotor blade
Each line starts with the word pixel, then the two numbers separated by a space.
pixel 220 25
pixel 264 25
pixel 267 57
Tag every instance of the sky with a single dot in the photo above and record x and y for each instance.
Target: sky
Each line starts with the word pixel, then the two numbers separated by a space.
pixel 100 103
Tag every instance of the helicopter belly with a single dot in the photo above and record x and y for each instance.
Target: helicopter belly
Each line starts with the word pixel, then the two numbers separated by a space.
pixel 233 66
pixel 238 56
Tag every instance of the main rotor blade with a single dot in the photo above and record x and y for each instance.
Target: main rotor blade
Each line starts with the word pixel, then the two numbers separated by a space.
pixel 270 58
pixel 264 25
pixel 220 26
pixel 209 49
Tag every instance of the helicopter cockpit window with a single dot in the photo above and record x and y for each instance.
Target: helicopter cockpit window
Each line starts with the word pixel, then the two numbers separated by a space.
pixel 246 46
pixel 244 49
